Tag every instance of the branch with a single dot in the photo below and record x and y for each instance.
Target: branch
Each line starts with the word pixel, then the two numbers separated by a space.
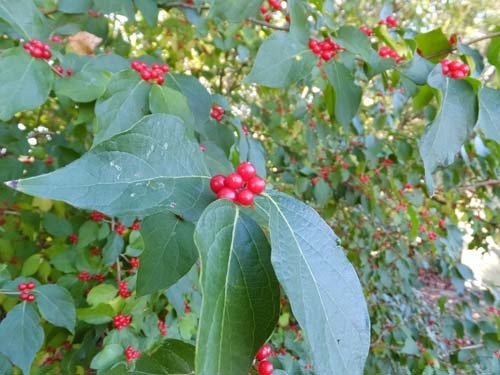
pixel 267 24
pixel 472 41
pixel 490 182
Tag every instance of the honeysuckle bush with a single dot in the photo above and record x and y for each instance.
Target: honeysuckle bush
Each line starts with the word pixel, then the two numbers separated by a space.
pixel 118 258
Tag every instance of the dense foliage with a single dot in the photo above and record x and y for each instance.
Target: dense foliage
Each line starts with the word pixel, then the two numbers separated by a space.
pixel 116 255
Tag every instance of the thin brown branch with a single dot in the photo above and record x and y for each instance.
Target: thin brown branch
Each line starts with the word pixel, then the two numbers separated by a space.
pixel 474 186
pixel 267 24
pixel 472 41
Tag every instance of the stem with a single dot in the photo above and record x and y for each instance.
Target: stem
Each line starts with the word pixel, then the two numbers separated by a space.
pixel 11 293
pixel 267 24
pixel 472 41
pixel 490 182
pixel 8 212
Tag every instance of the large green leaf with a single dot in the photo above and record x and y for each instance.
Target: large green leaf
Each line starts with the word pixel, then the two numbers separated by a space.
pixel 84 86
pixel 151 168
pixel 56 306
pixel 451 126
pixel 24 18
pixel 347 93
pixel 433 43
pixel 234 10
pixel 174 356
pixel 240 293
pixel 322 286
pixel 355 41
pixel 489 113
pixel 163 99
pixel 124 103
pixel 169 252
pixel 21 336
pixel 282 60
pixel 26 82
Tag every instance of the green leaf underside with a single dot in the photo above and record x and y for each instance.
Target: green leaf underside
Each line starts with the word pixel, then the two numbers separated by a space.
pixel 322 286
pixel 21 336
pixel 169 252
pixel 445 136
pixel 281 61
pixel 240 303
pixel 26 82
pixel 56 306
pixel 124 103
pixel 151 168
pixel 489 113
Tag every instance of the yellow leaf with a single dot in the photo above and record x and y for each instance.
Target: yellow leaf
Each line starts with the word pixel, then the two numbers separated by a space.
pixel 83 43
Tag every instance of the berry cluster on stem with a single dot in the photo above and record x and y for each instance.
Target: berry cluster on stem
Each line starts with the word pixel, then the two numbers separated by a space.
pixel 325 49
pixel 123 289
pixel 390 21
pixel 38 49
pixel 131 353
pixel 240 186
pixel 24 288
pixel 454 69
pixel 154 73
pixel 389 53
pixel 217 112
pixel 61 71
pixel 121 321
pixel 365 29
pixel 162 327
pixel 264 367
pixel 97 216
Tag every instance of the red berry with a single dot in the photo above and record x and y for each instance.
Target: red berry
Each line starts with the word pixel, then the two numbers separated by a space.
pixel 256 185
pixel 37 52
pixel 37 43
pixel 55 39
pixel 160 80
pixel 30 297
pixel 136 225
pixel 134 262
pixel 264 352
pixel 22 287
pixel 131 353
pixel 146 74
pixel 263 9
pixel 246 170
pixel 233 181
pixel 244 197
pixel 97 216
pixel 265 368
pixel 120 228
pixel 46 54
pixel 226 193
pixel 59 69
pixel 73 238
pixel 217 183
pixel 69 72
pixel 30 285
pixel 165 68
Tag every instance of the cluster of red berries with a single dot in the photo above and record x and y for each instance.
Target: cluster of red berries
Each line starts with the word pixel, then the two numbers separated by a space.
pixel 24 288
pixel 264 367
pixel 239 186
pixel 73 238
pixel 120 228
pixel 123 289
pixel 136 225
pixel 154 73
pixel 454 69
pixel 131 354
pixel 390 21
pixel 217 112
pixel 134 262
pixel 325 49
pixel 162 327
pixel 61 71
pixel 365 29
pixel 121 321
pixel 86 276
pixel 389 53
pixel 274 5
pixel 97 216
pixel 38 49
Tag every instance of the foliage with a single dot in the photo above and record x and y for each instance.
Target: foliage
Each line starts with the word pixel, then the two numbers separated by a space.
pixel 107 207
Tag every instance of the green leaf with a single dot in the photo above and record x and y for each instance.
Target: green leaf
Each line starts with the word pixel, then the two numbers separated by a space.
pixel 151 168
pixel 25 18
pixel 281 61
pixel 149 10
pixel 322 192
pixel 347 93
pixel 124 103
pixel 56 306
pixel 163 99
pixel 240 304
pixel 112 249
pixel 299 26
pixel 452 125
pixel 99 314
pixel 22 336
pixel 433 42
pixel 174 356
pixel 489 113
pixel 417 69
pixel 355 41
pixel 322 286
pixel 493 52
pixel 85 86
pixel 56 226
pixel 234 10
pixel 169 252
pixel 107 357
pixel 101 294
pixel 72 6
pixel 123 7
pixel 26 82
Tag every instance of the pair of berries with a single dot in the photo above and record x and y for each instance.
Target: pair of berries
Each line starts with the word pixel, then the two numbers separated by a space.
pixel 325 49
pixel 162 327
pixel 365 29
pixel 217 112
pixel 123 289
pixel 120 228
pixel 24 288
pixel 97 216
pixel 131 354
pixel 264 367
pixel 154 73
pixel 240 186
pixel 389 53
pixel 390 21
pixel 134 262
pixel 454 69
pixel 38 49
pixel 121 321
pixel 60 70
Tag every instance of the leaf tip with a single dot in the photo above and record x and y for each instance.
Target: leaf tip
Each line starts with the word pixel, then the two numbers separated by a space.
pixel 12 184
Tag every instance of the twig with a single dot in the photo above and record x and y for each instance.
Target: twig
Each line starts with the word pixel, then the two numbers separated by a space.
pixel 267 24
pixel 472 41
pixel 8 212
pixel 490 182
